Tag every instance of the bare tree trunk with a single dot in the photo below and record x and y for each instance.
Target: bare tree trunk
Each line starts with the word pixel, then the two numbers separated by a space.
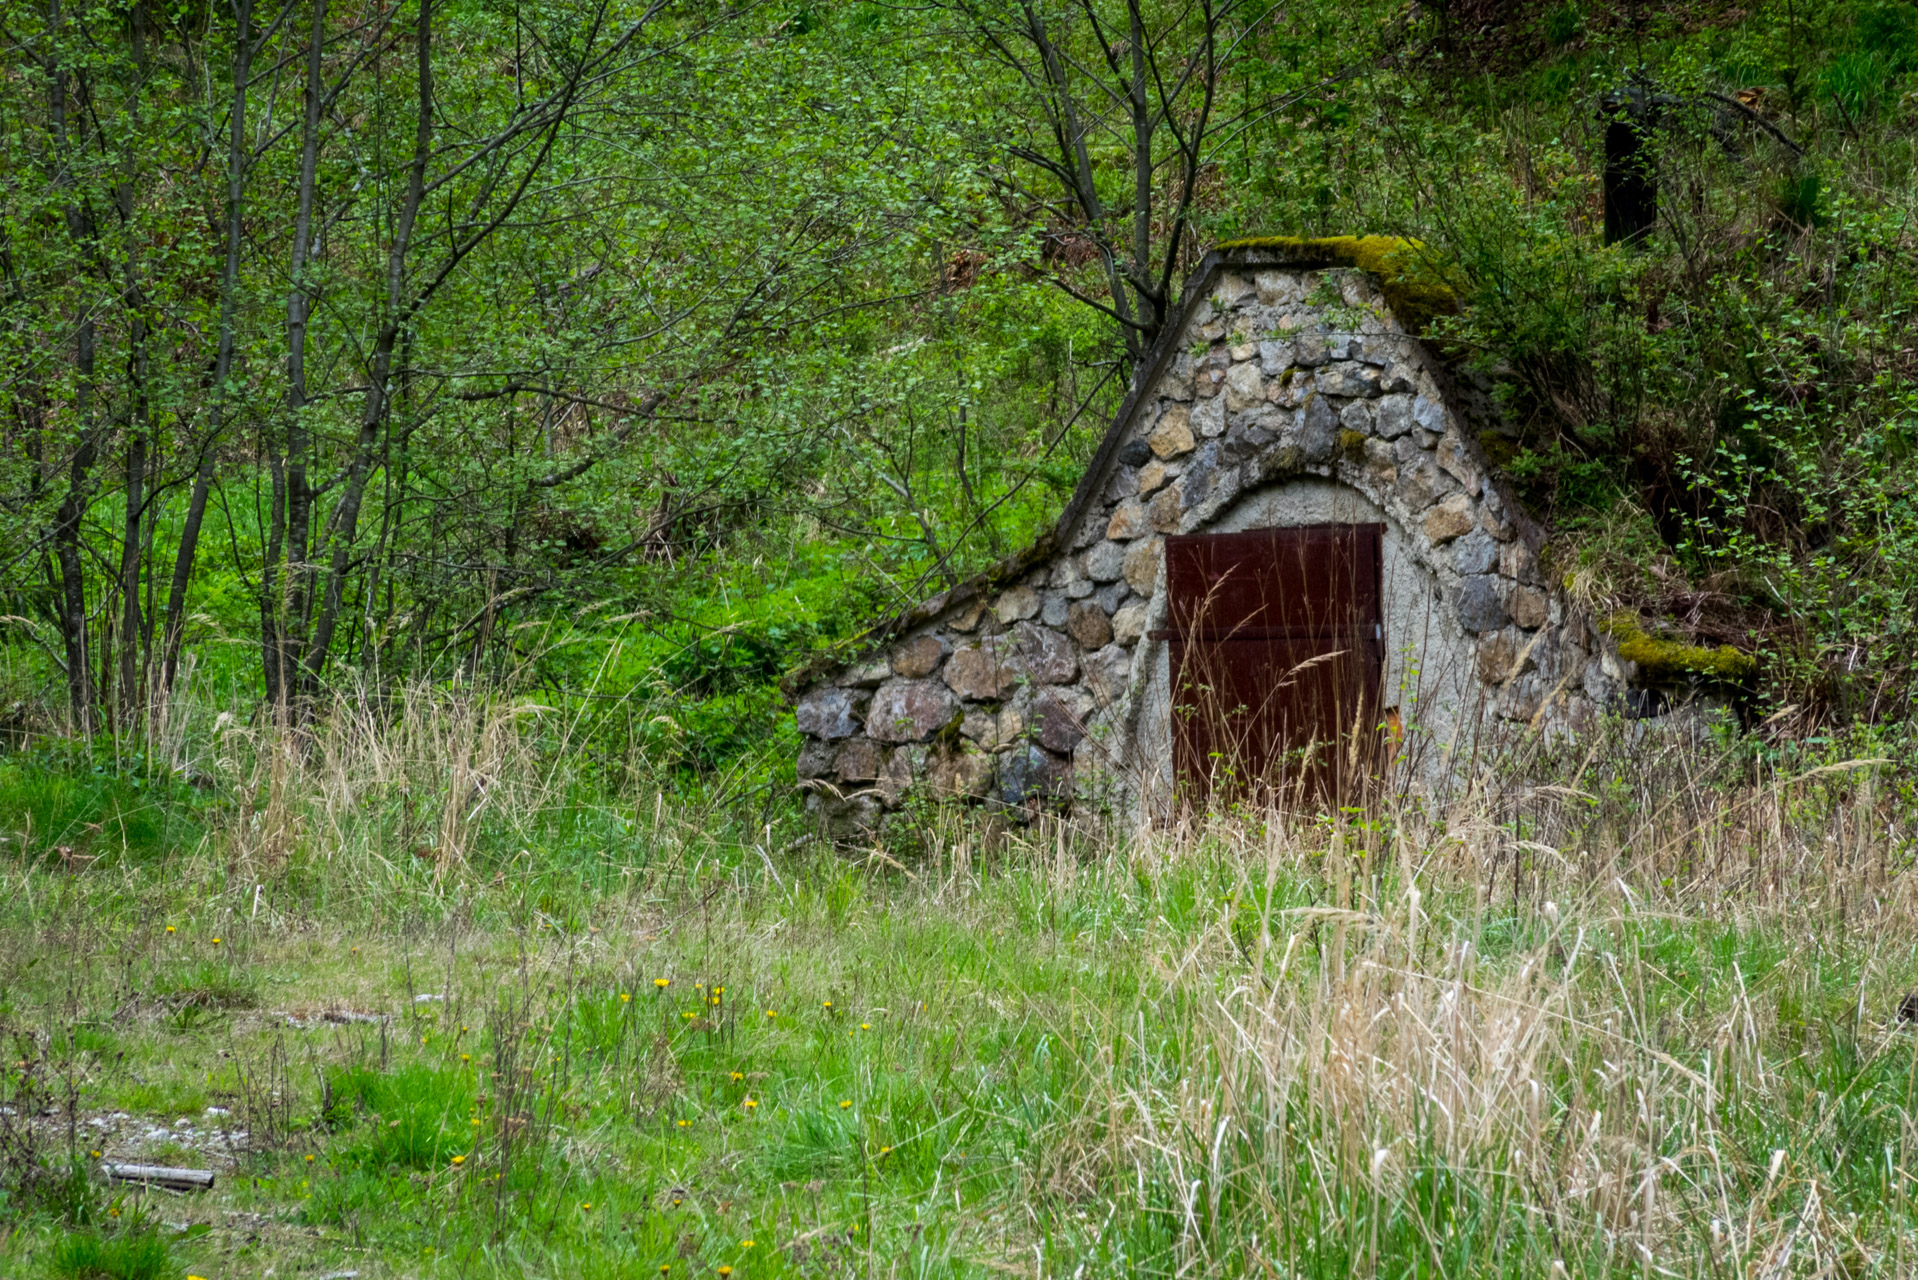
pixel 66 521
pixel 380 368
pixel 236 167
pixel 291 497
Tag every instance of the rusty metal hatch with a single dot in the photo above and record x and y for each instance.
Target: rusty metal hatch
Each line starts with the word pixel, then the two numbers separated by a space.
pixel 1277 650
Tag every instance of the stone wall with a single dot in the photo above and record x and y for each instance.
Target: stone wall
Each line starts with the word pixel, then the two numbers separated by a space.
pixel 1040 685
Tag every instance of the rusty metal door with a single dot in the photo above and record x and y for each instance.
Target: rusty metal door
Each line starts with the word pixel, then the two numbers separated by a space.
pixel 1277 649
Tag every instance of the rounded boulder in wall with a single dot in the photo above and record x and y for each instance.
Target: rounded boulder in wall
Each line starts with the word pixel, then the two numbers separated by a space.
pixel 909 710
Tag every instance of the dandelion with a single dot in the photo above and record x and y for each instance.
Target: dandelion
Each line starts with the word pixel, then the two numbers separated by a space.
pixel 865 1026
pixel 719 991
pixel 216 942
pixel 750 1104
pixel 845 1104
pixel 422 1039
pixel 772 1013
pixel 689 1015
pixel 684 1124
pixel 746 1244
pixel 625 997
pixel 724 1272
pixel 676 1200
pixel 458 1161
pixel 169 928
pixel 309 1158
pixel 884 1152
pixel 476 1122
pixel 662 984
pixel 738 1076
pixel 466 1057
pixel 94 1154
pixel 826 1005
pixel 587 1205
pixel 664 1267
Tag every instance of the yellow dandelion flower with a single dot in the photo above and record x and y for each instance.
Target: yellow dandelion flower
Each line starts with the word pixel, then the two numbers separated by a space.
pixel 865 1026
pixel 466 1057
pixel 689 1015
pixel 476 1122
pixel 750 1104
pixel 885 1151
pixel 737 1076
pixel 94 1154
pixel 309 1159
pixel 825 1004
pixel 662 983
pixel 772 1013
pixel 685 1124
pixel 586 1205
pixel 169 928
pixel 845 1104
pixel 422 1039
pixel 724 1272
pixel 625 997
pixel 713 1001
pixel 664 1268
pixel 719 991
pixel 458 1160
pixel 746 1244
pixel 216 942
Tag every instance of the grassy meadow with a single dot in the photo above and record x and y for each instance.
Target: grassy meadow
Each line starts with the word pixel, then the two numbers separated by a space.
pixel 429 1008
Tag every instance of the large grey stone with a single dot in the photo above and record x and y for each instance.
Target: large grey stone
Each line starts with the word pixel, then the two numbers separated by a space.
pixel 1481 606
pixel 1053 611
pixel 1128 624
pixel 1357 416
pixel 1394 416
pixel 1208 417
pixel 1112 595
pixel 1032 775
pixel 1475 553
pixel 1105 562
pixel 1318 430
pixel 1046 655
pixel 826 712
pixel 909 710
pixel 815 759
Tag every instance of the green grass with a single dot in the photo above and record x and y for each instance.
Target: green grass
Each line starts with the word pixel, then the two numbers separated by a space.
pixel 1240 1050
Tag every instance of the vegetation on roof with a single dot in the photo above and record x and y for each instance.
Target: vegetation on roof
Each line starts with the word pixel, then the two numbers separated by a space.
pixel 1410 276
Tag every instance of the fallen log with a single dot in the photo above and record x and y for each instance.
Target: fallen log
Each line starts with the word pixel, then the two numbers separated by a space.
pixel 161 1176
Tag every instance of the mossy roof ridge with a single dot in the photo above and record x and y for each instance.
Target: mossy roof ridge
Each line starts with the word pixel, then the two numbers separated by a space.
pixel 1660 659
pixel 1413 282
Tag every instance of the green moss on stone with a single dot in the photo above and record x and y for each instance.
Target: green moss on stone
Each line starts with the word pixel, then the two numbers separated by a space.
pixel 1412 284
pixel 1659 659
pixel 1352 443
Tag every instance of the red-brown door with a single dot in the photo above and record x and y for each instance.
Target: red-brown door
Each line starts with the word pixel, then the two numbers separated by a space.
pixel 1276 657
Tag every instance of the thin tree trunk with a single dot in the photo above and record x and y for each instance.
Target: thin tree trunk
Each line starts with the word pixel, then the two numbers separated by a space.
pixel 140 408
pixel 66 520
pixel 280 623
pixel 236 158
pixel 380 367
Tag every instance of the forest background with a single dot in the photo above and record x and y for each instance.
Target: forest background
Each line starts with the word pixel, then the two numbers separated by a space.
pixel 629 353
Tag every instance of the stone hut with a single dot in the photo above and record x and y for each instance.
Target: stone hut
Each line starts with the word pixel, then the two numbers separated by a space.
pixel 1288 416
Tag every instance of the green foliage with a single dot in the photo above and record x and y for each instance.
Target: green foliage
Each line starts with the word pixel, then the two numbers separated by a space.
pixel 412 1118
pixel 128 1254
